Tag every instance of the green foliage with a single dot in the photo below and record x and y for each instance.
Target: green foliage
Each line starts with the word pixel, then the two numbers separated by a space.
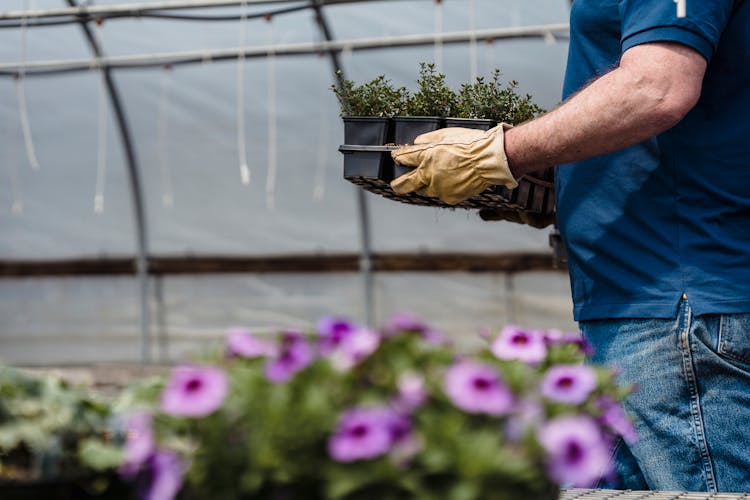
pixel 433 97
pixel 267 434
pixel 49 429
pixel 271 440
pixel 484 98
pixel 378 97
pixel 490 99
pixel 99 455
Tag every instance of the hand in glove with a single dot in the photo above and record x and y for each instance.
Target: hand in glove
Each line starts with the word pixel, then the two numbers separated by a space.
pixel 539 221
pixel 454 163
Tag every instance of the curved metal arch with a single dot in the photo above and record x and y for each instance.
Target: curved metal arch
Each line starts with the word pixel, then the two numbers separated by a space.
pixel 142 259
pixel 136 193
pixel 365 261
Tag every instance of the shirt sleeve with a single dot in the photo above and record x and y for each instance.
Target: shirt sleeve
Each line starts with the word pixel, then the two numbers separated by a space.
pixel 644 21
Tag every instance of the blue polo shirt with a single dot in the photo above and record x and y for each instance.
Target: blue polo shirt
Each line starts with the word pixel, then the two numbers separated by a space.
pixel 671 215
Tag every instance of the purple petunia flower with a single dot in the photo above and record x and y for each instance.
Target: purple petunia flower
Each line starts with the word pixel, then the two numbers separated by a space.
pixel 524 345
pixel 408 322
pixel 295 355
pixel 477 388
pixel 614 417
pixel 354 348
pixel 412 393
pixel 527 415
pixel 333 330
pixel 366 433
pixel 194 391
pixel 405 444
pixel 139 443
pixel 166 473
pixel 569 384
pixel 577 453
pixel 554 336
pixel 242 343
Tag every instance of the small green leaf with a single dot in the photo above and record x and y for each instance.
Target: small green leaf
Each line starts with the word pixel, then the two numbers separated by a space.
pixel 99 455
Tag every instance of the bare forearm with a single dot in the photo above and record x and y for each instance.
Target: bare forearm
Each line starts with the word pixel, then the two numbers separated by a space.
pixel 623 107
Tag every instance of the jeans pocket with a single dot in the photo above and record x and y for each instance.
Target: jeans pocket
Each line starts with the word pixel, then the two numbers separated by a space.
pixel 734 337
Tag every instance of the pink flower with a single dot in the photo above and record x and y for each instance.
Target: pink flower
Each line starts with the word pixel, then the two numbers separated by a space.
pixel 477 388
pixel 524 345
pixel 333 331
pixel 354 348
pixel 194 391
pixel 554 336
pixel 242 343
pixel 295 355
pixel 569 384
pixel 577 453
pixel 526 416
pixel 139 443
pixel 412 393
pixel 166 473
pixel 402 322
pixel 366 433
pixel 614 417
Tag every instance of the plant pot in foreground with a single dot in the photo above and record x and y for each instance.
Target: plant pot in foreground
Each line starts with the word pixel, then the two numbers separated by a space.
pixel 368 164
pixel 535 192
pixel 367 130
pixel 475 123
pixel 407 128
pixel 365 162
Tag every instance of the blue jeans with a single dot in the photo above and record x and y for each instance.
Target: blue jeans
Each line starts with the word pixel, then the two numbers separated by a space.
pixel 692 407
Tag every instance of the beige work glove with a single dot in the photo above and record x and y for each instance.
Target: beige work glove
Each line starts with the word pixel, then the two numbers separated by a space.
pixel 539 221
pixel 454 163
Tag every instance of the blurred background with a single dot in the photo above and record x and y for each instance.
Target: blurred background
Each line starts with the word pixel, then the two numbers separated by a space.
pixel 84 280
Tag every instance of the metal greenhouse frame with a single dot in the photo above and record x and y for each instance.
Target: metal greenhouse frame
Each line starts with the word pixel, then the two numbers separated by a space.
pixel 146 266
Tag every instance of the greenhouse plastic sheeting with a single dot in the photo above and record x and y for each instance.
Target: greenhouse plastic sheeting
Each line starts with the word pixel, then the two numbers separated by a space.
pixel 92 320
pixel 184 123
pixel 195 159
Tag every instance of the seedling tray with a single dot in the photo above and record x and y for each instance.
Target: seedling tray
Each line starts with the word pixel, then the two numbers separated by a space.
pixel 534 194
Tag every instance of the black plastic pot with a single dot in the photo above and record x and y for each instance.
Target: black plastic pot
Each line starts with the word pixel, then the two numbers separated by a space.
pixel 475 123
pixel 367 165
pixel 367 130
pixel 407 128
pixel 361 132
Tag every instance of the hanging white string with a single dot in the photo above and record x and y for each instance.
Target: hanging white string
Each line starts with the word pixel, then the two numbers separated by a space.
pixel 101 154
pixel 438 32
pixel 21 93
pixel 472 41
pixel 319 191
pixel 167 197
pixel 272 125
pixel 12 163
pixel 17 207
pixel 241 141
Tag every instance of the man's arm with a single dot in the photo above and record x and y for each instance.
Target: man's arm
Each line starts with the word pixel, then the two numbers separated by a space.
pixel 652 89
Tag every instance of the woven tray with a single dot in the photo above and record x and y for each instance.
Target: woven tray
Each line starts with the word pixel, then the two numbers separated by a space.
pixel 590 494
pixel 534 193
